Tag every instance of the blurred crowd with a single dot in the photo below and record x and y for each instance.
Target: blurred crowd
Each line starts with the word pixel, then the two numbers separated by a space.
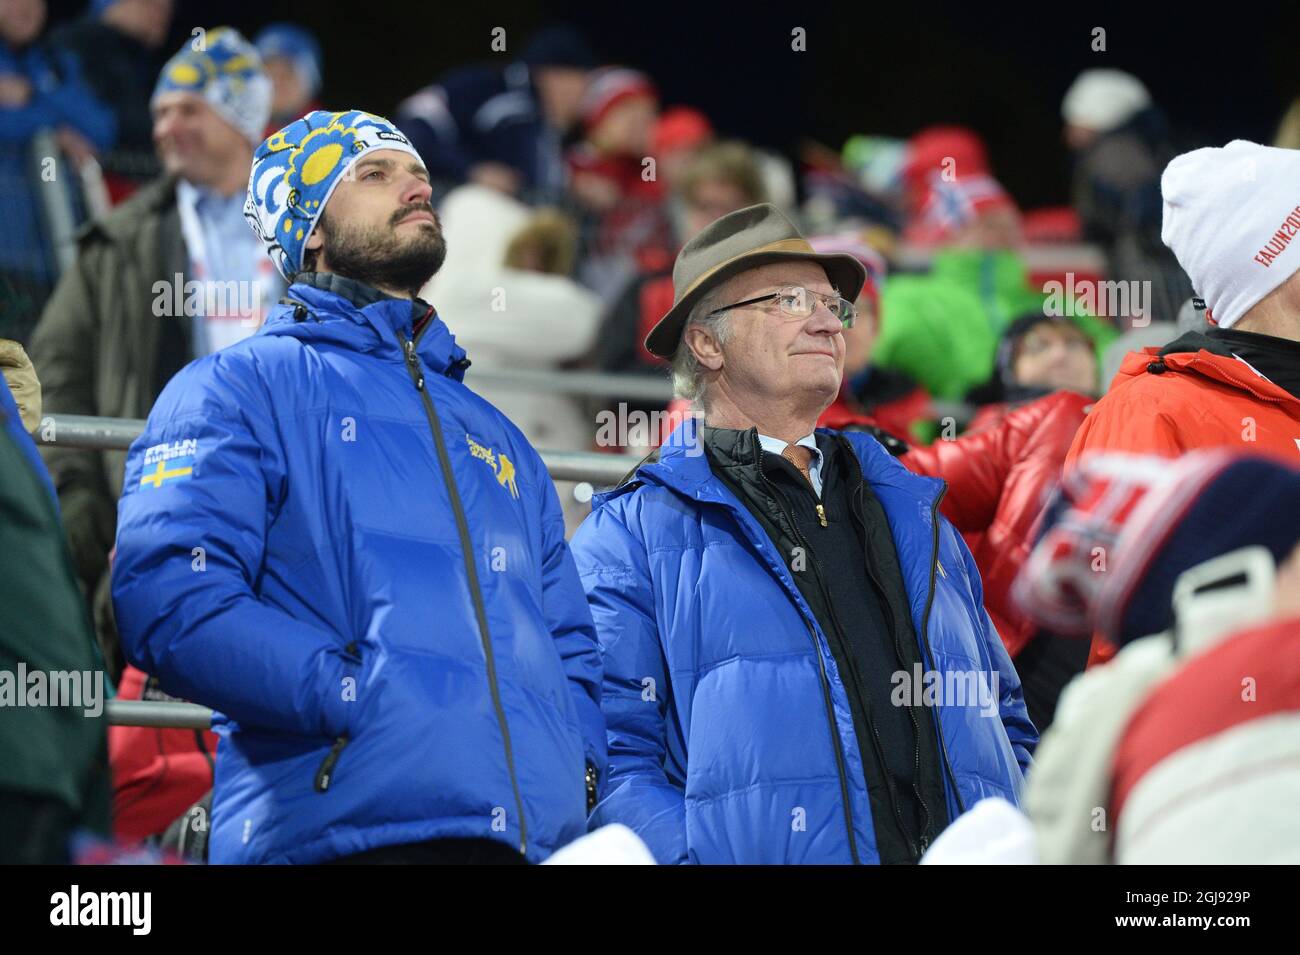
pixel 566 187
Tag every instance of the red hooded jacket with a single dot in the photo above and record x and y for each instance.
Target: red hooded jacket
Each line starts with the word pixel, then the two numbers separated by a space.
pixel 1196 395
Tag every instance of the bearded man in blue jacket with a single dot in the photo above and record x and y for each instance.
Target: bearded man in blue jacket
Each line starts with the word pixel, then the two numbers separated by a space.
pixel 356 561
pixel 798 666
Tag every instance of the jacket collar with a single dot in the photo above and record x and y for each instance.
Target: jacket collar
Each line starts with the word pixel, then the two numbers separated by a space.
pixel 1199 353
pixel 361 317
pixel 683 466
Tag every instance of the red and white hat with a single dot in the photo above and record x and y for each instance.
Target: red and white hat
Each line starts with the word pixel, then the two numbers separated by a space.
pixel 609 86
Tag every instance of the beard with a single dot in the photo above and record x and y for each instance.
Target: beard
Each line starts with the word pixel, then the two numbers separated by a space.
pixel 382 258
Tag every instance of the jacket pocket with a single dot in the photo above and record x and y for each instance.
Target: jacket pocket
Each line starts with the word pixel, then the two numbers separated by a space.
pixel 325 773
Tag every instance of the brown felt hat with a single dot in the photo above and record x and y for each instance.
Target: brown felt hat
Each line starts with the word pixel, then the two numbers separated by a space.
pixel 741 240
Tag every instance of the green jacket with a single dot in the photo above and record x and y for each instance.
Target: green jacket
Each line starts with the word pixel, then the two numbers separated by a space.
pixel 943 328
pixel 99 349
pixel 54 775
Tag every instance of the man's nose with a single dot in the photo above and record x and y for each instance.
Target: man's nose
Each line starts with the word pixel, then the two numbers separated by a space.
pixel 416 192
pixel 823 321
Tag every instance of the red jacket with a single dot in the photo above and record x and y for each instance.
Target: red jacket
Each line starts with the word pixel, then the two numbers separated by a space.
pixel 157 773
pixel 1198 396
pixel 999 479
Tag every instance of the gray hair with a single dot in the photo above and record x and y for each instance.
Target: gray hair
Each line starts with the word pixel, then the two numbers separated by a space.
pixel 688 373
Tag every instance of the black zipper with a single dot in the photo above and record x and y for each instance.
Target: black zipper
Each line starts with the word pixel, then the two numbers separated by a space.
pixel 859 684
pixel 825 681
pixel 471 570
pixel 325 774
pixel 859 515
pixel 925 635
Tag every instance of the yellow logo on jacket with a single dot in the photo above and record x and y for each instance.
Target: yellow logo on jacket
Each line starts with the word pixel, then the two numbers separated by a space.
pixel 501 465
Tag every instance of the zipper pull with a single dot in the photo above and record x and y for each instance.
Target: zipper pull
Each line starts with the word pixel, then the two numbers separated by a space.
pixel 821 515
pixel 942 573
pixel 326 772
pixel 414 363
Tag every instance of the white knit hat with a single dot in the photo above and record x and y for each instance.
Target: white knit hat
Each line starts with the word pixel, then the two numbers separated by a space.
pixel 1104 99
pixel 1232 217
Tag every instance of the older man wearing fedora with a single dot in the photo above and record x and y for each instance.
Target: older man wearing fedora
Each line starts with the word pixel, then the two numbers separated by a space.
pixel 798 665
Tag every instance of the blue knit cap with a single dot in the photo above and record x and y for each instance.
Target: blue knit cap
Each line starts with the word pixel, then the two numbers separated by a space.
pixel 295 172
pixel 227 72
pixel 297 45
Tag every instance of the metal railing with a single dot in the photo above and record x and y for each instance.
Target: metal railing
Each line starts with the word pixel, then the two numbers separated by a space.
pixel 116 434
pixel 159 715
pixel 593 384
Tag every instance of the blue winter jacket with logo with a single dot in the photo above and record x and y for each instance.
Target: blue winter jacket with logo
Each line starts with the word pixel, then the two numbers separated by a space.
pixel 361 565
pixel 730 733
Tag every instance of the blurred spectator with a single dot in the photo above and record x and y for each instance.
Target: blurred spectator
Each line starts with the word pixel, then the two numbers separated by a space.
pixel 837 197
pixel 1238 383
pixel 1121 143
pixel 118 43
pixel 157 773
pixel 877 161
pixel 682 131
pixel 614 179
pixel 944 326
pixel 892 399
pixel 1038 354
pixel 508 297
pixel 1185 747
pixel 292 59
pixel 172 274
pixel 502 126
pixel 41 89
pixel 945 154
pixel 719 179
pixel 679 134
pixel 53 763
pixel 619 111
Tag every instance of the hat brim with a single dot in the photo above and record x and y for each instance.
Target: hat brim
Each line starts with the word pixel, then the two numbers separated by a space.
pixel 845 272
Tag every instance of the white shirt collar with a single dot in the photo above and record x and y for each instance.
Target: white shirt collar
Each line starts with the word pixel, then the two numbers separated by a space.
pixel 776 445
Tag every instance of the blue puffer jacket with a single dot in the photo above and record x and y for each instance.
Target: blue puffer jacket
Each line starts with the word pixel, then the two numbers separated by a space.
pixel 289 553
pixel 720 745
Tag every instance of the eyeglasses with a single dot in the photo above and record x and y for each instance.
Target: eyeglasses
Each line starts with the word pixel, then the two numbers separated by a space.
pixel 795 301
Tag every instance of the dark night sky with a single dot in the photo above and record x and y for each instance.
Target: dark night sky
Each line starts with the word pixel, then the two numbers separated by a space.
pixel 881 68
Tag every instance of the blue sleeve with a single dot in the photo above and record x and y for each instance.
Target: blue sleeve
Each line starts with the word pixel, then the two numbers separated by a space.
pixel 71 104
pixel 1011 697
pixel 190 549
pixel 569 621
pixel 78 107
pixel 637 790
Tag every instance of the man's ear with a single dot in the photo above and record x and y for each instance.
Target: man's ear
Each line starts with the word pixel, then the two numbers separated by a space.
pixel 705 347
pixel 315 240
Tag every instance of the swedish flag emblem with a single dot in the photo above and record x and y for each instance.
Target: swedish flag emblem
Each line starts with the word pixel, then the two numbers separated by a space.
pixel 177 469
